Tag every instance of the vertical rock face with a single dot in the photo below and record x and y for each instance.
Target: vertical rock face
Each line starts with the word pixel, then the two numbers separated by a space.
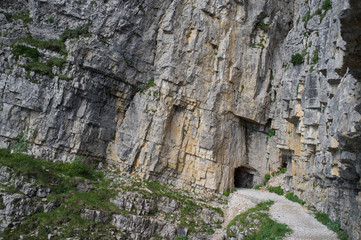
pixel 196 93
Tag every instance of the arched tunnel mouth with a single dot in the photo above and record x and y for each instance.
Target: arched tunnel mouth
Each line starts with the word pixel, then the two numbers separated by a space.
pixel 243 177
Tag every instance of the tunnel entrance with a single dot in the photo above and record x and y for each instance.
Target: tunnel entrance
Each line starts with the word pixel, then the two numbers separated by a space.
pixel 243 177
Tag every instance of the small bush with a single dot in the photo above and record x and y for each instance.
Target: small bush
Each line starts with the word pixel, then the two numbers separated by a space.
pixel 271 132
pixel 262 25
pixel 283 170
pixel 51 20
pixel 290 196
pixel 326 5
pixel 278 190
pixel 257 187
pixel 267 177
pixel 297 59
pixel 21 50
pixel 226 194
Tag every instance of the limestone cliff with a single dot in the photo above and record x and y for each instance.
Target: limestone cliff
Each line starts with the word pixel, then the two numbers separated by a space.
pixel 192 92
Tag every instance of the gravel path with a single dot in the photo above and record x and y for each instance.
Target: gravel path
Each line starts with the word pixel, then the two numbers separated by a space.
pixel 298 218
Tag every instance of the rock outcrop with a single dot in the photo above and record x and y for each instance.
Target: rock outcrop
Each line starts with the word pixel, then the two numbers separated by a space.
pixel 191 92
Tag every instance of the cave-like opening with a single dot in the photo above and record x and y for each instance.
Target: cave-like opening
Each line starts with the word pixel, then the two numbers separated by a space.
pixel 243 177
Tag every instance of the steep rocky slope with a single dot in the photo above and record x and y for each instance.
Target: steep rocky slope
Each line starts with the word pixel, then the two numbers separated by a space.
pixel 194 93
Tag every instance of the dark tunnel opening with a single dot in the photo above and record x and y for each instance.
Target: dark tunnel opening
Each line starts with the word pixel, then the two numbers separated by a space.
pixel 243 177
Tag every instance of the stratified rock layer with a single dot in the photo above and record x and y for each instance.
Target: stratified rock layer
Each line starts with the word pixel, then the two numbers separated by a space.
pixel 192 92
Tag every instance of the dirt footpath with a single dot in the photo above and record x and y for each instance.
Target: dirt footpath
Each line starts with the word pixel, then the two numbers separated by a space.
pixel 298 218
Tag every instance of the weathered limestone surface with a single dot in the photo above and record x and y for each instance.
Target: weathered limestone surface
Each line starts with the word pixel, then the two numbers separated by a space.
pixel 225 94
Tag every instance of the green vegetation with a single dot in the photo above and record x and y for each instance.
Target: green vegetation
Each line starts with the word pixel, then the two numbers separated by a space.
pixel 52 45
pixel 55 61
pixel 21 15
pixel 257 187
pixel 149 84
pixel 62 179
pixel 283 170
pixel 326 5
pixel 271 132
pixel 226 193
pixel 297 59
pixel 258 224
pixel 39 67
pixel 290 196
pixel 20 50
pixel 332 225
pixel 262 25
pixel 51 20
pixel 314 59
pixel 267 177
pixel 278 190
pixel 75 33
pixel 307 17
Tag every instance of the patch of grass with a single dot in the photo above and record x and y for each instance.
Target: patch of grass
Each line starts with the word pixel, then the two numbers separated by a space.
pixel 226 193
pixel 257 187
pixel 257 224
pixel 290 196
pixel 326 5
pixel 52 44
pixel 39 67
pixel 50 20
pixel 55 61
pixel 24 16
pixel 267 177
pixel 297 59
pixel 332 225
pixel 64 77
pixel 62 179
pixel 314 59
pixel 75 33
pixel 149 84
pixel 21 50
pixel 307 17
pixel 262 25
pixel 283 170
pixel 278 190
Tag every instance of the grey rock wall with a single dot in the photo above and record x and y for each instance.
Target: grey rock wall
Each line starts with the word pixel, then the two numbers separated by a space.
pixel 188 91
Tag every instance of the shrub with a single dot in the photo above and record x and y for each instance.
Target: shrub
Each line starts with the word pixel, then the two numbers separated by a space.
pixel 278 190
pixel 226 194
pixel 290 196
pixel 297 59
pixel 283 170
pixel 257 187
pixel 51 20
pixel 271 132
pixel 326 5
pixel 262 25
pixel 21 50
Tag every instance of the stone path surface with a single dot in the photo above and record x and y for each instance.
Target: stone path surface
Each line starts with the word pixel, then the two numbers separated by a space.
pixel 298 218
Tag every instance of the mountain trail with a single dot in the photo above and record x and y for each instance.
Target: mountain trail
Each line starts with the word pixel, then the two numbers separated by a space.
pixel 297 217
